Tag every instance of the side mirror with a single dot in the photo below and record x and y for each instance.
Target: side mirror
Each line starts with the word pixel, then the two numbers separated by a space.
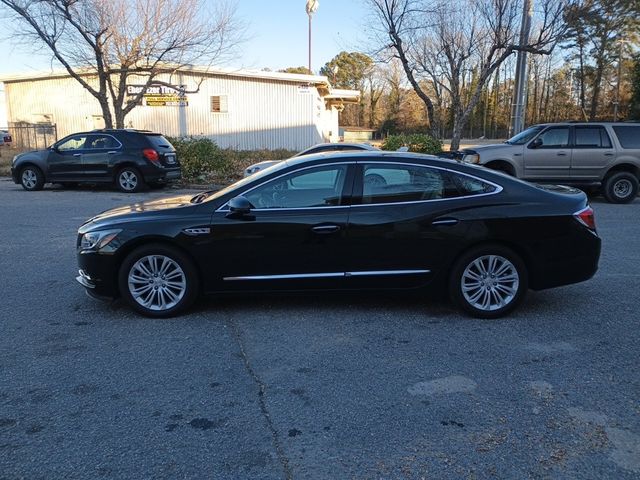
pixel 536 143
pixel 239 206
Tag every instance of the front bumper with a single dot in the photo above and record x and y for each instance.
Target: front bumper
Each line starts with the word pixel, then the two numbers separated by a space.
pixel 98 274
pixel 14 175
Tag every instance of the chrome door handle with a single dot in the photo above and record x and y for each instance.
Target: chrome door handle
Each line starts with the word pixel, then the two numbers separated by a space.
pixel 325 229
pixel 112 152
pixel 77 154
pixel 445 221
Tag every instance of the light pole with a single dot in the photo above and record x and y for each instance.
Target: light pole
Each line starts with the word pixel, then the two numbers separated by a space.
pixel 312 7
pixel 518 106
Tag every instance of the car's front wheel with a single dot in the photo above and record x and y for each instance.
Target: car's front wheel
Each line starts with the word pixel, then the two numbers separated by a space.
pixel 129 180
pixel 31 178
pixel 489 281
pixel 158 281
pixel 620 187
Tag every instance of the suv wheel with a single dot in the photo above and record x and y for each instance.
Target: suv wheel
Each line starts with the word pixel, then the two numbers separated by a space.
pixel 31 178
pixel 129 180
pixel 158 281
pixel 620 187
pixel 488 281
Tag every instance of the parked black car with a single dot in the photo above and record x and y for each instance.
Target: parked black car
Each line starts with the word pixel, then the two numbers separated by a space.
pixel 346 221
pixel 128 158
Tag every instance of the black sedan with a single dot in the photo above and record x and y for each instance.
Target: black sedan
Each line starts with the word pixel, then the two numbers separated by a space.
pixel 367 220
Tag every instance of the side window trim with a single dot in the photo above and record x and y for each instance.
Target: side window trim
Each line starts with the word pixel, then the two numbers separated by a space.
pixel 346 189
pixel 356 200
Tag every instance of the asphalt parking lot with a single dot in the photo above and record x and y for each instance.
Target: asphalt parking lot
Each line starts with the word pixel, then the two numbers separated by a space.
pixel 319 386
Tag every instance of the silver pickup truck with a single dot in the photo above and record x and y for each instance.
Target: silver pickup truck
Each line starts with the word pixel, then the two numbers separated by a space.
pixel 603 155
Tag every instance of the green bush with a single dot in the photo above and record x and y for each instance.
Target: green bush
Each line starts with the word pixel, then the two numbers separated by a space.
pixel 203 161
pixel 417 142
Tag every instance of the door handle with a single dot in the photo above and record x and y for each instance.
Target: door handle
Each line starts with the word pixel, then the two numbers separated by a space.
pixel 608 154
pixel 445 221
pixel 77 154
pixel 112 152
pixel 562 154
pixel 325 229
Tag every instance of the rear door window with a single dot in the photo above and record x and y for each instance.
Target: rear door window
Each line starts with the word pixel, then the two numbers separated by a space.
pixel 592 137
pixel 397 183
pixel 101 142
pixel 628 136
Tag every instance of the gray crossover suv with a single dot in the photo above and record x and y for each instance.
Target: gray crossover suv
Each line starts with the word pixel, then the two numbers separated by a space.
pixel 603 155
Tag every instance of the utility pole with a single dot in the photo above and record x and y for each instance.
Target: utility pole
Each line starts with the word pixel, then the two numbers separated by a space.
pixel 518 105
pixel 312 7
pixel 616 104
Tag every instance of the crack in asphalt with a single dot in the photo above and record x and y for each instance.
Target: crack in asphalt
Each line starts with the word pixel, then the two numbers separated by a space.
pixel 262 390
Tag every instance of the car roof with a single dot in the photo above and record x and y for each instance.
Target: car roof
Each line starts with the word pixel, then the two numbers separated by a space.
pixel 337 157
pixel 362 146
pixel 581 123
pixel 115 130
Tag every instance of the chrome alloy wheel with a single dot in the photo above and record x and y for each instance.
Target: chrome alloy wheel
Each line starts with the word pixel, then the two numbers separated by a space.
pixel 128 180
pixel 29 178
pixel 157 282
pixel 490 282
pixel 622 188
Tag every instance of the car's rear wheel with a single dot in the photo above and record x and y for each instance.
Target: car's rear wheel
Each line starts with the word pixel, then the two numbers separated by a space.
pixel 158 281
pixel 31 178
pixel 488 281
pixel 129 180
pixel 620 187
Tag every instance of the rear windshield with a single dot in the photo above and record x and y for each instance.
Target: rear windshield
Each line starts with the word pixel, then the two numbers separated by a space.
pixel 629 136
pixel 158 141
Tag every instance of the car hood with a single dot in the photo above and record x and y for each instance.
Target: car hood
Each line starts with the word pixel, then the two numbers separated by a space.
pixel 42 154
pixel 490 148
pixel 162 207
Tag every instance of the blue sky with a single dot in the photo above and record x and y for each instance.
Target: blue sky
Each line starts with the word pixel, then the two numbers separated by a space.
pixel 276 31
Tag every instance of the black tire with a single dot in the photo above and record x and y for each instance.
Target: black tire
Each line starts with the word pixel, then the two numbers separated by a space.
pixel 620 187
pixel 467 267
pixel 134 289
pixel 129 180
pixel 31 178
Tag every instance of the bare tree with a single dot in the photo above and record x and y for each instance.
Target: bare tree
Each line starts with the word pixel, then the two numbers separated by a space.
pixel 105 44
pixel 439 43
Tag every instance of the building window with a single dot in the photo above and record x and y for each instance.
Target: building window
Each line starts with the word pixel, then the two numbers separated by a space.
pixel 219 104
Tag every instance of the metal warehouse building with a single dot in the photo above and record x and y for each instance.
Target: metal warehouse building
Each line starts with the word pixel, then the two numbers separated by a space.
pixel 238 109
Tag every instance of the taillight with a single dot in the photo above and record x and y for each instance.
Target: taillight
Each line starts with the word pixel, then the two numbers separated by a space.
pixel 151 155
pixel 586 218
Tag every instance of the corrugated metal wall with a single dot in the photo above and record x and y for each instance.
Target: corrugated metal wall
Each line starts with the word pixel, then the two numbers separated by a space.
pixel 261 113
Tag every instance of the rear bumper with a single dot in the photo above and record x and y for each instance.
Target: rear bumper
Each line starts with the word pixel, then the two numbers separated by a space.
pixel 576 264
pixel 162 175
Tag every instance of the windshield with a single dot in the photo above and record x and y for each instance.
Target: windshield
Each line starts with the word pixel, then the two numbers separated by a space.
pixel 212 194
pixel 524 137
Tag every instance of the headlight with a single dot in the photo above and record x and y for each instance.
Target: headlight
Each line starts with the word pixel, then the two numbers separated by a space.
pixel 471 158
pixel 98 239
